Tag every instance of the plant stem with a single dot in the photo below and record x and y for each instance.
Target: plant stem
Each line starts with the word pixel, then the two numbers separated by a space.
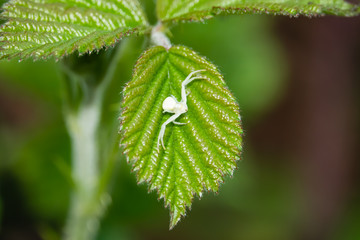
pixel 86 80
pixel 83 216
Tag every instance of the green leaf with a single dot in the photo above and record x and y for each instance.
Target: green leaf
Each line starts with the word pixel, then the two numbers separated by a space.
pixel 198 155
pixel 190 10
pixel 43 28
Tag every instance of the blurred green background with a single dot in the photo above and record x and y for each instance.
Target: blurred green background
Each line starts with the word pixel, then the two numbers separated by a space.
pixel 297 83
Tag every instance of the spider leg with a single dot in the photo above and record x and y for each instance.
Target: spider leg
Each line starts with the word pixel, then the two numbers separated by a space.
pixel 174 98
pixel 179 123
pixel 192 73
pixel 163 127
pixel 183 85
pixel 166 111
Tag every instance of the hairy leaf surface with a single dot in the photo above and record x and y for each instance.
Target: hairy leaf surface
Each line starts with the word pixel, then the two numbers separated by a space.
pixel 175 10
pixel 42 28
pixel 198 155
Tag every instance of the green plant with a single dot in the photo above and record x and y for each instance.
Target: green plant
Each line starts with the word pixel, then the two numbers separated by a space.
pixel 84 36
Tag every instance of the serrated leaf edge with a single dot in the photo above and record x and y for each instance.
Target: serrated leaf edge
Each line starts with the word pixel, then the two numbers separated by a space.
pixel 203 15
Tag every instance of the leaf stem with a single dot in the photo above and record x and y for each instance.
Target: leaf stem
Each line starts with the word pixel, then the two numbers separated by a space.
pixel 158 37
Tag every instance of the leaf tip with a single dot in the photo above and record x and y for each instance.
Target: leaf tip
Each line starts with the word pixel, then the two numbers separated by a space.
pixel 174 219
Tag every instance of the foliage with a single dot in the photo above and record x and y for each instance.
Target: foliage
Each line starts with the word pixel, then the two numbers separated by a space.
pixel 43 28
pixel 198 155
pixel 169 10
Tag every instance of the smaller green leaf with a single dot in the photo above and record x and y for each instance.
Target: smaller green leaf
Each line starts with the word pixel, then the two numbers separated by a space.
pixel 43 28
pixel 190 10
pixel 198 155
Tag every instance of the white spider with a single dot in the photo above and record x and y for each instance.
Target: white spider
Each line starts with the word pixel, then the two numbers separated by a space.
pixel 171 105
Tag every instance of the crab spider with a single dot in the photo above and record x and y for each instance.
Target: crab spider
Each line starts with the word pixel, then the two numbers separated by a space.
pixel 171 105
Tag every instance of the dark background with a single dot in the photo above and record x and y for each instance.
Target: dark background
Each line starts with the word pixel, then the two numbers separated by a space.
pixel 297 83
